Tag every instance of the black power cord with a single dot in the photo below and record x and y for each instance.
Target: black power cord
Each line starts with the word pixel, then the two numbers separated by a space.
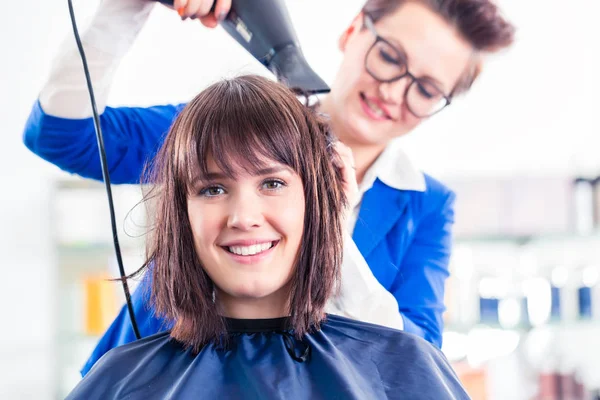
pixel 105 174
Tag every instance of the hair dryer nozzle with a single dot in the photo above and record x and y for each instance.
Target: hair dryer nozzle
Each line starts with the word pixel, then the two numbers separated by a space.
pixel 290 68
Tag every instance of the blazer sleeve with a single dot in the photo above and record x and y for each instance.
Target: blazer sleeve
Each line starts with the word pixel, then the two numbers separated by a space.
pixel 419 285
pixel 132 136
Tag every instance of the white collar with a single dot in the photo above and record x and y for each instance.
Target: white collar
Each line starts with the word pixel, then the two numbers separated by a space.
pixel 394 168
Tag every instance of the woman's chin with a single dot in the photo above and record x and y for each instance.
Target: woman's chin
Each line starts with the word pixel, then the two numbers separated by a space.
pixel 252 292
pixel 363 132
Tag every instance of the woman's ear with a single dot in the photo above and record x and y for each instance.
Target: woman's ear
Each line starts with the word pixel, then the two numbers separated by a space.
pixel 354 27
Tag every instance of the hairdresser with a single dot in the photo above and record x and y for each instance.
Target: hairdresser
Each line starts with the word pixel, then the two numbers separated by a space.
pixel 403 62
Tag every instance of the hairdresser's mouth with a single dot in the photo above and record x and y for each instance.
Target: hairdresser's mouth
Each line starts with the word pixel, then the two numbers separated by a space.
pixel 374 108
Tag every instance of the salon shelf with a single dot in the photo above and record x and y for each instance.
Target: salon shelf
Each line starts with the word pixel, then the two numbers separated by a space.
pixel 523 240
pixel 553 325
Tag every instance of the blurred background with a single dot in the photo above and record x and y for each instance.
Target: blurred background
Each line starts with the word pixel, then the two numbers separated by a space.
pixel 521 152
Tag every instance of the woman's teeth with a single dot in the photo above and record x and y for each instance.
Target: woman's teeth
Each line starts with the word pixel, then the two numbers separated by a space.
pixel 250 250
pixel 375 108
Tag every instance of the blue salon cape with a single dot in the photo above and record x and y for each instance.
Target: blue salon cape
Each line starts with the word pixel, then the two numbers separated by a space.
pixel 405 236
pixel 345 359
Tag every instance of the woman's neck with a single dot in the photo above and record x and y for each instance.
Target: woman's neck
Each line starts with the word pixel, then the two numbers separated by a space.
pixel 364 154
pixel 275 305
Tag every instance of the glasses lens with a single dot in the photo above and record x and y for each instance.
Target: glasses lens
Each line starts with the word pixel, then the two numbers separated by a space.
pixel 384 63
pixel 424 98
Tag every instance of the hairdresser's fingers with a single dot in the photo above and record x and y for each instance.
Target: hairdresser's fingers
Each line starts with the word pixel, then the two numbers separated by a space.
pixel 179 5
pixel 205 7
pixel 222 8
pixel 183 7
pixel 195 8
pixel 348 170
pixel 209 21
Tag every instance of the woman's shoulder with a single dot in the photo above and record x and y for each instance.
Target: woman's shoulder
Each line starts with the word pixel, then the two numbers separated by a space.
pixel 435 186
pixel 140 361
pixel 397 170
pixel 404 361
pixel 157 339
pixel 382 337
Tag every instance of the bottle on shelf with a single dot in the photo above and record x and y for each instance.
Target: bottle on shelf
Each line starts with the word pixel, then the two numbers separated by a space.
pixel 596 202
pixel 585 292
pixel 583 202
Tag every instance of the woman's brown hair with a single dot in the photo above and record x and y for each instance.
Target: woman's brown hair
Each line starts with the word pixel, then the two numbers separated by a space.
pixel 478 21
pixel 240 123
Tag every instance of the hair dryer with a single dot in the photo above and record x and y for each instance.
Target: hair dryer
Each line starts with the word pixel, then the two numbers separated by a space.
pixel 265 30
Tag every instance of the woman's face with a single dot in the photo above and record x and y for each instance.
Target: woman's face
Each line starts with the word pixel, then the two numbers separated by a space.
pixel 247 232
pixel 433 50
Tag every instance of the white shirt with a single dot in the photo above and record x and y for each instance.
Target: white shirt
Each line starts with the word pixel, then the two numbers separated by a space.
pixel 108 38
pixel 361 295
pixel 395 169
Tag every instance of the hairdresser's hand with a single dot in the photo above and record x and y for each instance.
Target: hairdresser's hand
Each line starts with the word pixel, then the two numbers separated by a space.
pixel 346 163
pixel 201 9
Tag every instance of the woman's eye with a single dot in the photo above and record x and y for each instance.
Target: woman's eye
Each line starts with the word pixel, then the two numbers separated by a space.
pixel 212 191
pixel 387 57
pixel 424 92
pixel 273 184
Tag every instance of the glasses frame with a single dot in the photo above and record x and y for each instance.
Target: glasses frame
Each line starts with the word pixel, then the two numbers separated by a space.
pixel 368 23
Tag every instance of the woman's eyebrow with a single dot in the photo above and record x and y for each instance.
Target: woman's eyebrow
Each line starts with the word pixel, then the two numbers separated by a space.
pixel 397 46
pixel 272 170
pixel 439 85
pixel 216 176
pixel 211 176
pixel 400 49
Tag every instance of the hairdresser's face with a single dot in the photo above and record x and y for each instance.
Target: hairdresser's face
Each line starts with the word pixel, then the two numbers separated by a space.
pixel 247 233
pixel 433 50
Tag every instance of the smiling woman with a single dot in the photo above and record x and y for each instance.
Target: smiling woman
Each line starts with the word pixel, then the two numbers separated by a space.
pixel 252 168
pixel 245 253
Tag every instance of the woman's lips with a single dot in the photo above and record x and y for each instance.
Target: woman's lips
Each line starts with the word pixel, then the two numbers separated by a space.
pixel 374 108
pixel 251 258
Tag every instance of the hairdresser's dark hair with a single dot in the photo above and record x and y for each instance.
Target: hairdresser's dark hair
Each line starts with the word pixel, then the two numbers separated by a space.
pixel 241 122
pixel 478 21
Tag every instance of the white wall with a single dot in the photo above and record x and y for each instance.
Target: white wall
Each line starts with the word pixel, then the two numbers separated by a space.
pixel 25 288
pixel 531 111
pixel 534 109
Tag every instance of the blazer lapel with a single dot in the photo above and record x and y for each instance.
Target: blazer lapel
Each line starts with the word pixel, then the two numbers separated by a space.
pixel 380 209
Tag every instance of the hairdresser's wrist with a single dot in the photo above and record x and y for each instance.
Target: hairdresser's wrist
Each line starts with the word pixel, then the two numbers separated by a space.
pixel 116 24
pixel 111 33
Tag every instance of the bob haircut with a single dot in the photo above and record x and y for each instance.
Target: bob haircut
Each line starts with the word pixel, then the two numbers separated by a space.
pixel 242 122
pixel 479 22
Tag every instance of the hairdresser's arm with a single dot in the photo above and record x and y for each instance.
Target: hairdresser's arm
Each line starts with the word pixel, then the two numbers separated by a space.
pixel 60 128
pixel 131 138
pixel 110 35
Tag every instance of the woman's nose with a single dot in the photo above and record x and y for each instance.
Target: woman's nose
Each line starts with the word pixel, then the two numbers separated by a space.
pixel 394 92
pixel 245 212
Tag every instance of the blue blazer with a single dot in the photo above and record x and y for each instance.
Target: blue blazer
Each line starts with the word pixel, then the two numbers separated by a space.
pixel 405 236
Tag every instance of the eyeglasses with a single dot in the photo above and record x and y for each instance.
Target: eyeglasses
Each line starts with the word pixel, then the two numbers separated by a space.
pixel 387 64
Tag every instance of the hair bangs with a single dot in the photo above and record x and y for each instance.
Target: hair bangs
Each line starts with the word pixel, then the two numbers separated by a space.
pixel 243 133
